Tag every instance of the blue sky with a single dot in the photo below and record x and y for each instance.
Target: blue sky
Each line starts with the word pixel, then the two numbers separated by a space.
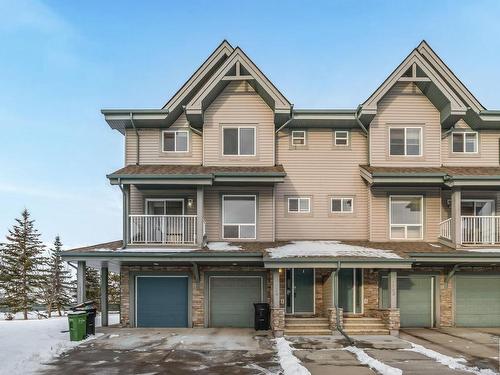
pixel 62 61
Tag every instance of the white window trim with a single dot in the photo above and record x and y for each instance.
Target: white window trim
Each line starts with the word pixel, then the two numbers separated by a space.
pixel 346 138
pixel 421 197
pixel 163 200
pixel 175 140
pixel 342 205
pixel 240 224
pixel 421 145
pixel 464 142
pixel 239 127
pixel 298 205
pixel 304 137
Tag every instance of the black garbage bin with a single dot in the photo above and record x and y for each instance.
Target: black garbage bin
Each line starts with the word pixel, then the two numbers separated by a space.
pixel 91 313
pixel 262 316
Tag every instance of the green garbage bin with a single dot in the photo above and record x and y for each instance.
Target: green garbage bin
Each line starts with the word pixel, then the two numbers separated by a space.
pixel 77 325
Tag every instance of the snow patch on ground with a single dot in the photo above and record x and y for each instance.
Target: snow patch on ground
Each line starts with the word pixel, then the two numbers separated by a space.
pixel 289 363
pixel 25 345
pixel 451 362
pixel 222 246
pixel 373 363
pixel 328 248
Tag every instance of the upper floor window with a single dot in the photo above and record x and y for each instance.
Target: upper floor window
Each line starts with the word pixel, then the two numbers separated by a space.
pixel 464 142
pixel 239 141
pixel 341 138
pixel 175 141
pixel 239 215
pixel 406 217
pixel 405 141
pixel 342 205
pixel 298 138
pixel 299 205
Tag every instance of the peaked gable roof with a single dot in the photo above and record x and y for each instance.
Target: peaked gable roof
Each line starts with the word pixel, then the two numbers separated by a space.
pixel 238 66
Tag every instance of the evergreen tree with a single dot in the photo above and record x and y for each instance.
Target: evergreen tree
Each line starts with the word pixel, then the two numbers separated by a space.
pixel 60 285
pixel 114 289
pixel 23 265
pixel 92 285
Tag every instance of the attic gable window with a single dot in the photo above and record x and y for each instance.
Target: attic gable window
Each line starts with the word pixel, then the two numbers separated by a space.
pixel 405 141
pixel 464 142
pixel 175 141
pixel 238 141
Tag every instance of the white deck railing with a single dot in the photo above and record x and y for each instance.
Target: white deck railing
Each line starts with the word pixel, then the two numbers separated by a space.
pixel 162 229
pixel 445 229
pixel 480 229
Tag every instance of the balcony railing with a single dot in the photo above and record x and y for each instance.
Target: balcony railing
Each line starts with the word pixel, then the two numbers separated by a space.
pixel 480 230
pixel 445 229
pixel 162 229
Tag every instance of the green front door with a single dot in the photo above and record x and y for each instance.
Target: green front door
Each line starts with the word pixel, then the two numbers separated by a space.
pixel 350 290
pixel 416 300
pixel 477 300
pixel 300 291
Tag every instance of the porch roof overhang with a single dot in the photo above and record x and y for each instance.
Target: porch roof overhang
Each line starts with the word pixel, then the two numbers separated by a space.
pixel 441 176
pixel 472 257
pixel 195 175
pixel 333 262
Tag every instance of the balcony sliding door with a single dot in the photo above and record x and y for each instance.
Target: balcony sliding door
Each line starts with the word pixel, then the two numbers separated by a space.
pixel 167 227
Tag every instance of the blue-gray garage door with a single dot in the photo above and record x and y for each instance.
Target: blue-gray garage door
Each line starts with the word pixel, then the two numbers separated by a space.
pixel 162 301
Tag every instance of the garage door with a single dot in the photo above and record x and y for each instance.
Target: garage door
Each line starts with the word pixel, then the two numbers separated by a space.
pixel 162 301
pixel 231 300
pixel 416 300
pixel 477 300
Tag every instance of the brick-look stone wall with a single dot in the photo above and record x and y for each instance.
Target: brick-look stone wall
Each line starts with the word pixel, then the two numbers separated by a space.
pixel 198 288
pixel 278 321
pixel 332 318
pixel 370 289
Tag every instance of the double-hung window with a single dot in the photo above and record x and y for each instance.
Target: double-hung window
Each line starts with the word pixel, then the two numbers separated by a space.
pixel 464 142
pixel 341 138
pixel 342 205
pixel 239 215
pixel 406 217
pixel 175 141
pixel 299 205
pixel 238 141
pixel 405 141
pixel 298 138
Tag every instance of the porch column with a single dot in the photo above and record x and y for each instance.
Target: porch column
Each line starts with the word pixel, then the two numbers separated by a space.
pixel 126 205
pixel 276 288
pixel 393 289
pixel 456 220
pixel 199 214
pixel 104 296
pixel 80 282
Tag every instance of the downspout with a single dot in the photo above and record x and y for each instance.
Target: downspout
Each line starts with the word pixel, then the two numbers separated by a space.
pixel 335 303
pixel 287 122
pixel 356 116
pixel 136 137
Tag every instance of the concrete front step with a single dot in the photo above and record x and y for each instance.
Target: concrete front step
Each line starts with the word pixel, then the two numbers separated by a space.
pixel 306 325
pixel 364 331
pixel 306 319
pixel 362 319
pixel 367 325
pixel 307 332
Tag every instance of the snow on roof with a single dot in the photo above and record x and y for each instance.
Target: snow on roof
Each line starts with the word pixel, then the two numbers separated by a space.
pixel 486 250
pixel 328 248
pixel 222 246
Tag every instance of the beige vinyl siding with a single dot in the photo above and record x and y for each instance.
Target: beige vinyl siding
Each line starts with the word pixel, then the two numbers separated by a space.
pixel 238 104
pixel 138 198
pixel 488 149
pixel 405 105
pixel 150 146
pixel 320 171
pixel 379 225
pixel 213 210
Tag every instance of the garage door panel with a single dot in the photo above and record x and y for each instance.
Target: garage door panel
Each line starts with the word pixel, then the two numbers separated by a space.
pixel 477 300
pixel 162 301
pixel 231 300
pixel 415 301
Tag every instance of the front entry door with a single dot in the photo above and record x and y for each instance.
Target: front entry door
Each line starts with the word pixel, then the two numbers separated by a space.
pixel 300 291
pixel 350 290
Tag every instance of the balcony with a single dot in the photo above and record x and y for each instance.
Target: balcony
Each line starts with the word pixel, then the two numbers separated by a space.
pixel 475 230
pixel 162 230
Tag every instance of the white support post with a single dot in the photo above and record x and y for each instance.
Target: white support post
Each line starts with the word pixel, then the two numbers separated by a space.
pixel 104 296
pixel 456 215
pixel 199 214
pixel 393 289
pixel 276 288
pixel 80 282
